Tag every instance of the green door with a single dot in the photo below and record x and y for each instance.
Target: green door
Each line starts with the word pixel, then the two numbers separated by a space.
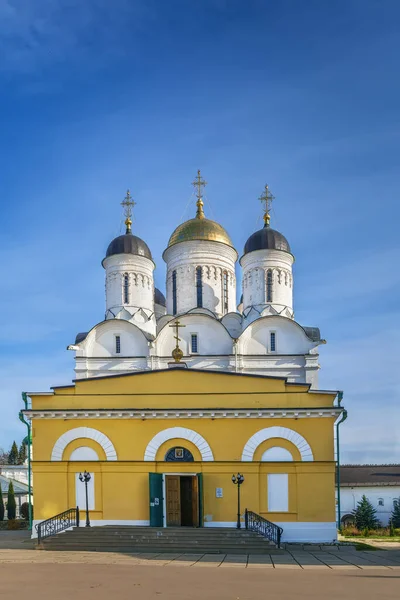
pixel 201 503
pixel 156 499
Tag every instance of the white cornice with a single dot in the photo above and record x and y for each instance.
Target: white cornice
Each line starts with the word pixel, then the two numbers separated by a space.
pixel 206 413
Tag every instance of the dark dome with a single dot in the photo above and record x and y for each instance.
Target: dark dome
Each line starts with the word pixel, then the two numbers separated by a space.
pixel 129 244
pixel 266 239
pixel 159 298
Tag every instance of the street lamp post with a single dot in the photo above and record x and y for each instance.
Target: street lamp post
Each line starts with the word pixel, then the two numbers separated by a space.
pixel 86 478
pixel 238 480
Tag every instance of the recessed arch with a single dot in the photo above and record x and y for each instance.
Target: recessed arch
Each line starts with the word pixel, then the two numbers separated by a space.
pixel 277 432
pixel 178 432
pixel 277 454
pixel 82 433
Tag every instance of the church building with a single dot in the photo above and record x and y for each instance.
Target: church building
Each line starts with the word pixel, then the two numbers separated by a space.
pixel 174 394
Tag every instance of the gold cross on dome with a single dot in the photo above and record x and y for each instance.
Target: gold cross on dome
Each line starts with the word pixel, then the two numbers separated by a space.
pixel 177 353
pixel 128 203
pixel 266 198
pixel 176 325
pixel 199 183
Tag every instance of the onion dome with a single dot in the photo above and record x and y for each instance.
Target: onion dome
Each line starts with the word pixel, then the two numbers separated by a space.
pixel 200 228
pixel 159 298
pixel 266 238
pixel 128 243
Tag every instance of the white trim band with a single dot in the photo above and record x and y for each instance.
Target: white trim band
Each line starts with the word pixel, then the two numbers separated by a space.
pixel 241 413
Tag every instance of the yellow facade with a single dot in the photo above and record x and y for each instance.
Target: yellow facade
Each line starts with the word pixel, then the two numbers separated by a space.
pixel 214 416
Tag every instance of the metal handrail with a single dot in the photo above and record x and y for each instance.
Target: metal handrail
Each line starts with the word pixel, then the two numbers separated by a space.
pixel 65 520
pixel 255 522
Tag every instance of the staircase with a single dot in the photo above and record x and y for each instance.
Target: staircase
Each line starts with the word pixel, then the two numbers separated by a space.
pixel 160 540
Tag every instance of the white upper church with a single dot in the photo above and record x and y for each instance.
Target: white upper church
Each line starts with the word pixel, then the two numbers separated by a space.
pixel 259 336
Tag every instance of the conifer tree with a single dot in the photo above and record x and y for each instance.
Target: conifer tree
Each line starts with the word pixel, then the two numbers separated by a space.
pixel 395 518
pixel 365 515
pixel 1 506
pixel 22 455
pixel 11 506
pixel 13 455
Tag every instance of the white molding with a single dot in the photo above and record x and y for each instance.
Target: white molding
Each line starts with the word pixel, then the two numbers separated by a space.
pixel 277 432
pixel 221 524
pixel 178 432
pixel 293 413
pixel 306 531
pixel 133 523
pixel 82 433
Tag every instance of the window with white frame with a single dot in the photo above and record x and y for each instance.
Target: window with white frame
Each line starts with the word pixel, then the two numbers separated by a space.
pixel 80 493
pixel 194 343
pixel 278 492
pixel 272 341
pixel 117 344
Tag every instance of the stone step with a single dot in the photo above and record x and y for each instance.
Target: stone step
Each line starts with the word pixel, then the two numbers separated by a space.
pixel 130 539
pixel 159 549
pixel 150 535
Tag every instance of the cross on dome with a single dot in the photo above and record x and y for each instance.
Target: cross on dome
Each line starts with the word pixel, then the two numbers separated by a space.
pixel 199 183
pixel 177 353
pixel 266 198
pixel 128 203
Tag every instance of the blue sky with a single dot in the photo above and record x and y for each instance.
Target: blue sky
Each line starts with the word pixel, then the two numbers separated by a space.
pixel 99 96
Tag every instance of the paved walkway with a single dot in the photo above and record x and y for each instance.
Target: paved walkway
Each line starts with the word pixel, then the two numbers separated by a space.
pixel 16 547
pixel 121 581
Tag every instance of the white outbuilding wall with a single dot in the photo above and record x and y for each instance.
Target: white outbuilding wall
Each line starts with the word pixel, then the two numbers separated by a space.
pixel 381 498
pixel 215 259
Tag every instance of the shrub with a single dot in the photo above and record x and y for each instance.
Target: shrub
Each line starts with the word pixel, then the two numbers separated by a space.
pixel 365 515
pixel 13 524
pixel 350 531
pixel 11 506
pixel 24 511
pixel 1 507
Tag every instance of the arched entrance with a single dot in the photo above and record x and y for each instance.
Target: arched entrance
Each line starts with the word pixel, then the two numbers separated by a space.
pixel 182 493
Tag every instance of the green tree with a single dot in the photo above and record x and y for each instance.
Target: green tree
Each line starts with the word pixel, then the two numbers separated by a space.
pixel 1 506
pixel 22 454
pixel 365 515
pixel 13 455
pixel 395 518
pixel 11 506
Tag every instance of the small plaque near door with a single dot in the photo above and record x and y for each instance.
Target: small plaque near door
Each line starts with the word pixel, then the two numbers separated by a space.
pixel 219 493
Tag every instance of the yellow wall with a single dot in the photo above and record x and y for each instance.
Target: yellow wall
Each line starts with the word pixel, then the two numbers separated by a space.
pixel 122 486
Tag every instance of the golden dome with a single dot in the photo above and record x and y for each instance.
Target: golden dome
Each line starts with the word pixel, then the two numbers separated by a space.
pixel 200 228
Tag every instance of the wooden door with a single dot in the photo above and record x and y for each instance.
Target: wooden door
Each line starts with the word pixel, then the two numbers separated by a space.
pixel 195 501
pixel 173 491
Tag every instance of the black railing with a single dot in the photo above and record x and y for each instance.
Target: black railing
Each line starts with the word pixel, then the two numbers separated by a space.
pixel 65 520
pixel 254 522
